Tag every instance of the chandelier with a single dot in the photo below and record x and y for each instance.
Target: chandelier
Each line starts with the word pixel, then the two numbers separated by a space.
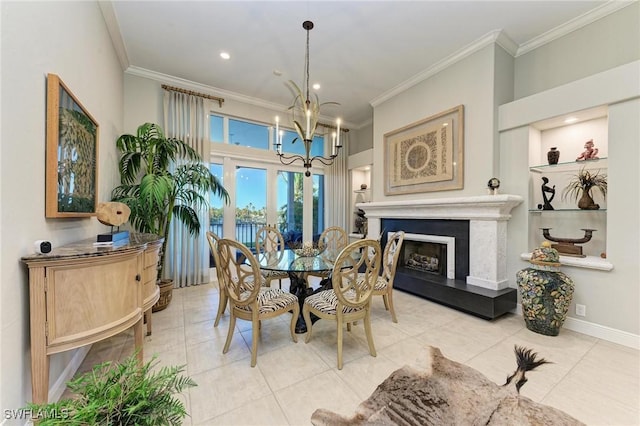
pixel 306 111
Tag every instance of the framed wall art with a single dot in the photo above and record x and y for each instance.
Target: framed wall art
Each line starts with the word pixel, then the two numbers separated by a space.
pixel 427 155
pixel 72 154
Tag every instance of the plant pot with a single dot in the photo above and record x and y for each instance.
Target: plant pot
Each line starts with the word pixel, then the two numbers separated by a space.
pixel 166 292
pixel 586 201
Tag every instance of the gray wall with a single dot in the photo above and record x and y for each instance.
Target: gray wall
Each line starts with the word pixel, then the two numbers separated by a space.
pixel 607 43
pixel 69 39
pixel 469 82
pixel 482 83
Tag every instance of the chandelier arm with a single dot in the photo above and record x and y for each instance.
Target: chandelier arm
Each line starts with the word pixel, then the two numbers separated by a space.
pixel 324 160
pixel 290 159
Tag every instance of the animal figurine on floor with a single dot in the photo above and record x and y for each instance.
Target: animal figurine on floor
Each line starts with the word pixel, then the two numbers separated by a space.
pixel 450 393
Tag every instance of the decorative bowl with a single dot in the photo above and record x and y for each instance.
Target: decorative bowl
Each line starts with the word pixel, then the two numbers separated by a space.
pixel 307 252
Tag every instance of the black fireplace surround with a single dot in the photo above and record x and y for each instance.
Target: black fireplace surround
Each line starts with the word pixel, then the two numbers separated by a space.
pixel 456 293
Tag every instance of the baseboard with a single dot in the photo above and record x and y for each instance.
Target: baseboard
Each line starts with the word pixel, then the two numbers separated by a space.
pixel 60 385
pixel 596 330
pixel 603 332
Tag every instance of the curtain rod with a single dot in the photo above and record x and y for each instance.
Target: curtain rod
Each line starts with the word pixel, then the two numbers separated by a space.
pixel 189 92
pixel 329 126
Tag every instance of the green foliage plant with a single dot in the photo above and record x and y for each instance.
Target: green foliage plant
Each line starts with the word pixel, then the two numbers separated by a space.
pixel 125 393
pixel 162 178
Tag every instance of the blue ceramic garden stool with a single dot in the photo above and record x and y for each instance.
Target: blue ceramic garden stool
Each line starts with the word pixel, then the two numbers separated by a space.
pixel 546 292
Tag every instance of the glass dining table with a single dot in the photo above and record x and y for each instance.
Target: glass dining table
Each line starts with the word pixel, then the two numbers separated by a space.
pixel 298 268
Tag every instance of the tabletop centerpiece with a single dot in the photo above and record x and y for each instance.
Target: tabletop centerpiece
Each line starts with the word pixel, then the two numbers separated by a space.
pixel 306 250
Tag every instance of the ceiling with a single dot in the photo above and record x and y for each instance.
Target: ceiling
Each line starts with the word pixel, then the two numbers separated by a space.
pixel 360 51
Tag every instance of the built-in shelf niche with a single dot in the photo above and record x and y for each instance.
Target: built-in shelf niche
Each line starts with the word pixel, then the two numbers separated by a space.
pixel 566 220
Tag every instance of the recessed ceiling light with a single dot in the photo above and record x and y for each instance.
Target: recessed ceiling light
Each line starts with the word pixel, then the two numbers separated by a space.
pixel 570 120
pixel 225 55
pixel 277 72
pixel 316 86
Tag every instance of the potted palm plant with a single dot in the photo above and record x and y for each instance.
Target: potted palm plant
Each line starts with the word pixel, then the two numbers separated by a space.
pixel 580 185
pixel 162 178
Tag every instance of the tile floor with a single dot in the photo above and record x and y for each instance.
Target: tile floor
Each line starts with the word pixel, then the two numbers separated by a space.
pixel 593 380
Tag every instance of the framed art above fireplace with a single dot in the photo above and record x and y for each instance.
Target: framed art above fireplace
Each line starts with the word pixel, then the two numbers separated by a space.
pixel 427 155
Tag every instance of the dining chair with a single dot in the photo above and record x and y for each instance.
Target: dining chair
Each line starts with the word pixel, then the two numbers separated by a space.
pixel 333 238
pixel 349 299
pixel 222 290
pixel 270 240
pixel 384 282
pixel 248 301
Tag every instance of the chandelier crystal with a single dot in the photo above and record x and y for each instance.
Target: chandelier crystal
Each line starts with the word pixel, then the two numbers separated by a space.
pixel 305 113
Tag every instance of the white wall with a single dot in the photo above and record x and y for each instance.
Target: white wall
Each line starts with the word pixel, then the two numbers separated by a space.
pixel 69 39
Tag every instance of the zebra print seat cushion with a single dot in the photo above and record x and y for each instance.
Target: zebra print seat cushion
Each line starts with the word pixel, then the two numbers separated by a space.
pixel 327 302
pixel 272 300
pixel 381 283
pixel 270 274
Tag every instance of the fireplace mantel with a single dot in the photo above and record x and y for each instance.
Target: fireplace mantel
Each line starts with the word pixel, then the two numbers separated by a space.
pixel 481 207
pixel 487 216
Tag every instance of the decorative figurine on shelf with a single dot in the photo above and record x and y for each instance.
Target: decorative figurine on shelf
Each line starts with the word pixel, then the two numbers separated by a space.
pixel 545 291
pixel 493 185
pixel 590 152
pixel 546 189
pixel 567 246
pixel 360 222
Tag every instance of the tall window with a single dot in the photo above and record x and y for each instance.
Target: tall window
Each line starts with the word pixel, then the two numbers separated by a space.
pixel 264 190
pixel 253 135
pixel 291 144
pixel 251 203
pixel 216 128
pixel 318 205
pixel 216 204
pixel 290 204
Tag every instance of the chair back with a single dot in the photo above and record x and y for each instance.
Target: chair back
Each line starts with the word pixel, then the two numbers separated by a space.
pixel 240 273
pixel 391 255
pixel 333 238
pixel 213 248
pixel 355 272
pixel 269 239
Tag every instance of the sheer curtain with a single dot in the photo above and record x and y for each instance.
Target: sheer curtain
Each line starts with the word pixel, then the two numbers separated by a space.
pixel 336 195
pixel 187 261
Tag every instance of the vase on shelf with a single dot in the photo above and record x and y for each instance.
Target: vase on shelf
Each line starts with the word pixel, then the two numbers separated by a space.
pixel 546 292
pixel 586 201
pixel 553 155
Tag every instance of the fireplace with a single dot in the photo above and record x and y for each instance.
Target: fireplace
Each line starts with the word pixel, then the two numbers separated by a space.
pixel 432 254
pixel 426 257
pixel 464 237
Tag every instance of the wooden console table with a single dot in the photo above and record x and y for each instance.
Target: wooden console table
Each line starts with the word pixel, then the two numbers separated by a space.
pixel 80 294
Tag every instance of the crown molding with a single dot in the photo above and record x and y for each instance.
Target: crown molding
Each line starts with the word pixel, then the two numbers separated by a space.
pixel 572 25
pixel 495 36
pixel 110 19
pixel 215 91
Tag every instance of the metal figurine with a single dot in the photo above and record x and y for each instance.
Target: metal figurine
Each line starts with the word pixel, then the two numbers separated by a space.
pixel 547 189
